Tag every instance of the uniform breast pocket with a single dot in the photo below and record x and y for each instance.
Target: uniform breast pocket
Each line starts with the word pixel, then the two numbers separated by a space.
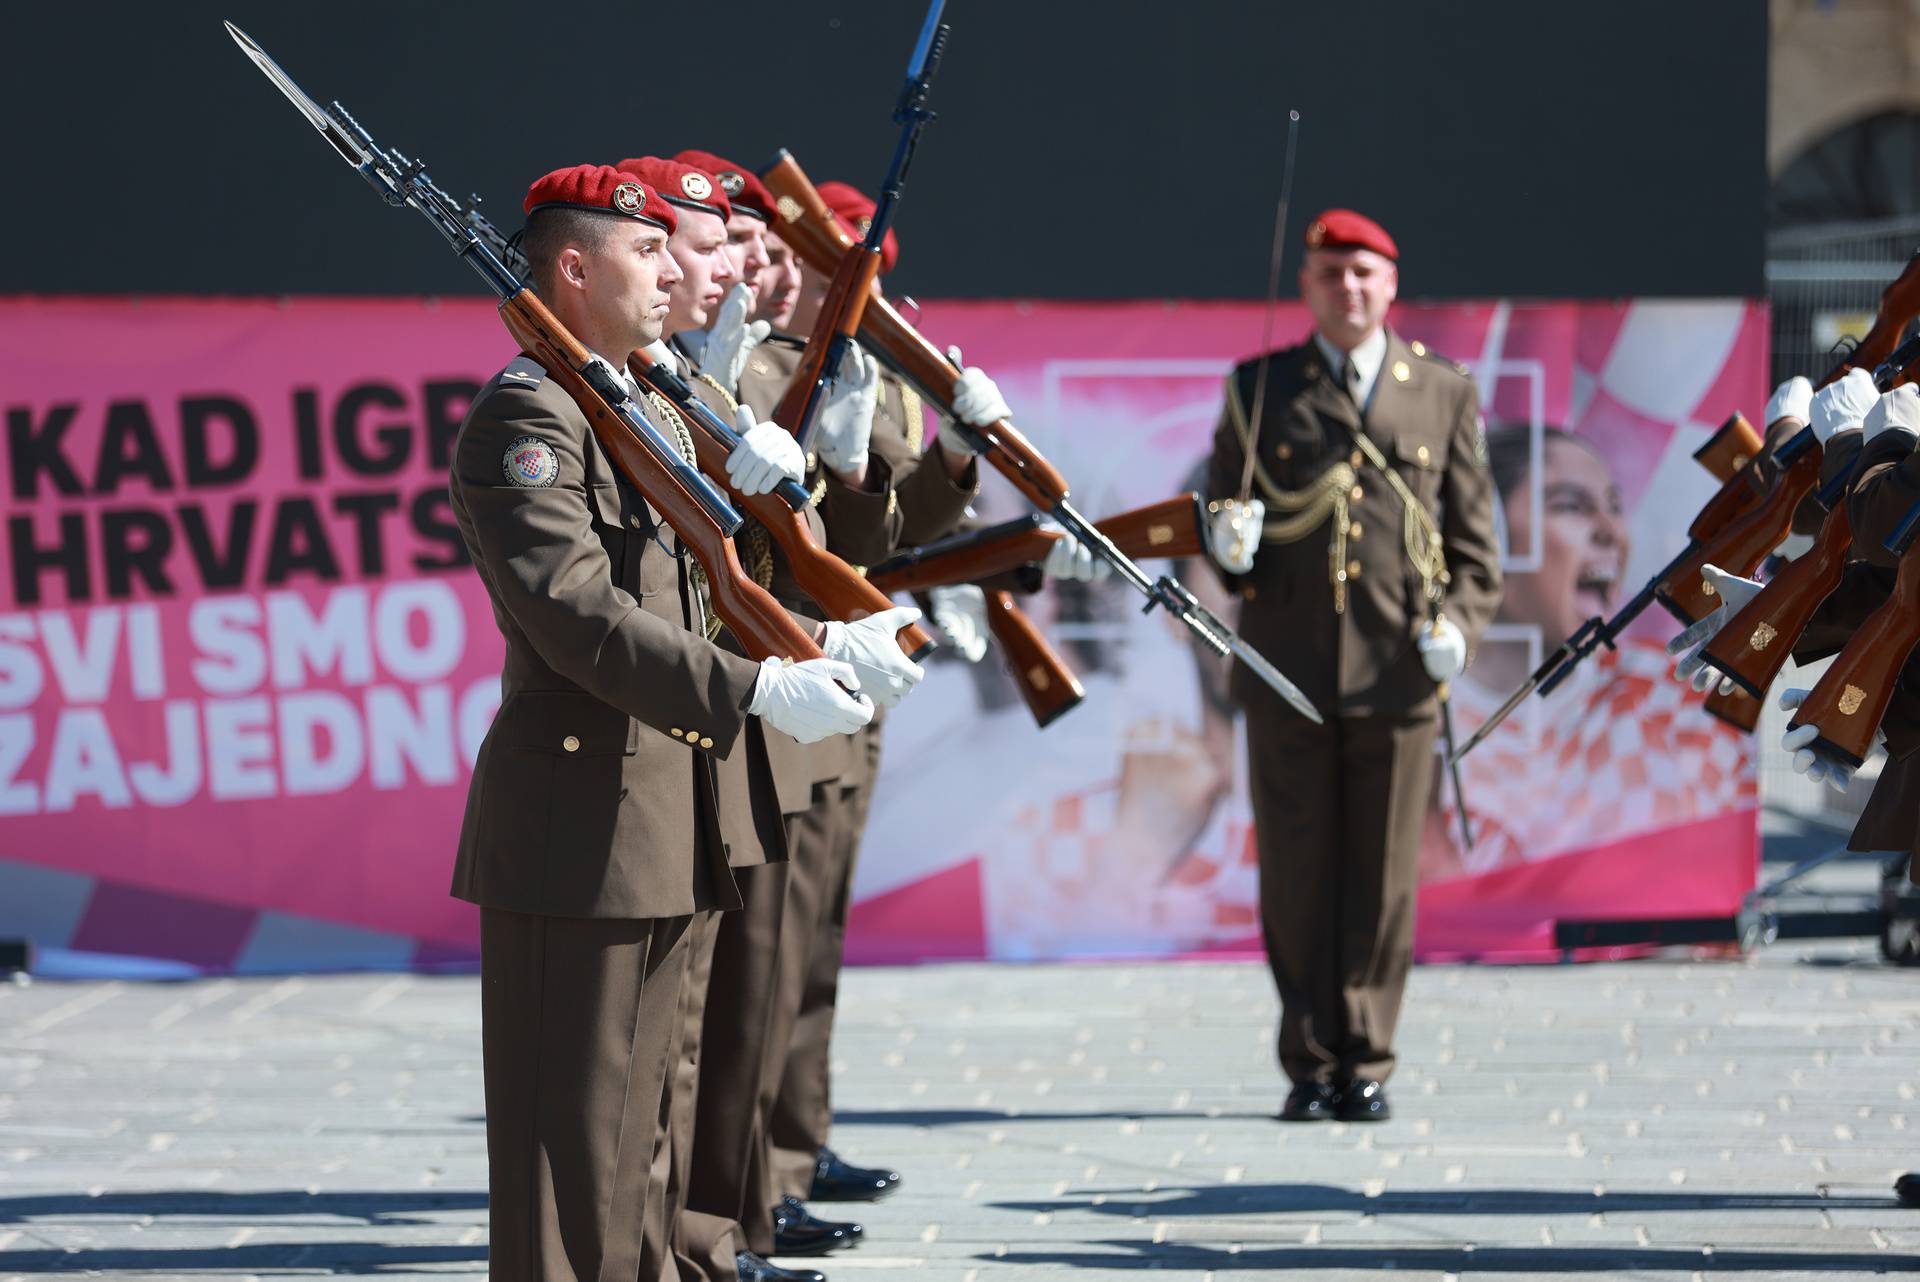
pixel 626 526
pixel 1419 463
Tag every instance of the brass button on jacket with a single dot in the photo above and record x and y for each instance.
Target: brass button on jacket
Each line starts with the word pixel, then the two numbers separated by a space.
pixel 571 743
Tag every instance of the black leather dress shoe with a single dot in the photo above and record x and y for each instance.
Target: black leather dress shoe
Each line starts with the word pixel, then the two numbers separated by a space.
pixel 1363 1102
pixel 754 1268
pixel 1309 1102
pixel 797 1231
pixel 1907 1189
pixel 838 1181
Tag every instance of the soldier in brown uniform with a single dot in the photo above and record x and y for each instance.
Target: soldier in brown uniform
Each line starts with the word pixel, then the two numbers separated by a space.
pixel 1372 500
pixel 724 1226
pixel 597 824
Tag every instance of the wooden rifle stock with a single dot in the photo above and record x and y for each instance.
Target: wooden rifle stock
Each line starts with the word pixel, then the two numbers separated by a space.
pixel 766 631
pixel 1745 542
pixel 1736 708
pixel 1849 701
pixel 840 313
pixel 1172 528
pixel 836 587
pixel 1758 640
pixel 1046 682
pixel 1736 444
pixel 809 227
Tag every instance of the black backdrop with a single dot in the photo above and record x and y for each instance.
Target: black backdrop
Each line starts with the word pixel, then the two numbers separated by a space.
pixel 1092 150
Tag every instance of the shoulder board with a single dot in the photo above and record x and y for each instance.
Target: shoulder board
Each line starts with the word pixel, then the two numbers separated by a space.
pixel 1422 350
pixel 523 371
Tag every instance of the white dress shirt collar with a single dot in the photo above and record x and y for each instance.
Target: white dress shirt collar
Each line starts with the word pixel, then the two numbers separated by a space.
pixel 1367 360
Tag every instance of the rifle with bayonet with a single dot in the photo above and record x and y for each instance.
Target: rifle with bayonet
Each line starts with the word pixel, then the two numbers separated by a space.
pixel 854 276
pixel 1849 701
pixel 810 228
pixel 836 587
pixel 698 512
pixel 1174 528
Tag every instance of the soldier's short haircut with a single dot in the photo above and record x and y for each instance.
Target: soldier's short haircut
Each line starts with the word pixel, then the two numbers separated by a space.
pixel 551 230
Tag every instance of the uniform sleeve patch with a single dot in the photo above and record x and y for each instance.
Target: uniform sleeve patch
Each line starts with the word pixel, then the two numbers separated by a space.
pixel 531 463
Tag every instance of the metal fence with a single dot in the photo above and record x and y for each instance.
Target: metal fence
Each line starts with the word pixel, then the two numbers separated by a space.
pixel 1824 283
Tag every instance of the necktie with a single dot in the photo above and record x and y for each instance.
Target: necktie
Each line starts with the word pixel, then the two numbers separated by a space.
pixel 1350 379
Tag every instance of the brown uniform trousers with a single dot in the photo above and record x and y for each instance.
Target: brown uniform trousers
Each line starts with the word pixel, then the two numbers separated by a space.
pixel 619 778
pixel 1338 808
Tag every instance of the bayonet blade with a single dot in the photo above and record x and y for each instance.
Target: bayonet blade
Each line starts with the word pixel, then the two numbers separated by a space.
pixel 315 114
pixel 1273 677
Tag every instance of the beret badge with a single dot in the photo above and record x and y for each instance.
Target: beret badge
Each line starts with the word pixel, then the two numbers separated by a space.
pixel 628 198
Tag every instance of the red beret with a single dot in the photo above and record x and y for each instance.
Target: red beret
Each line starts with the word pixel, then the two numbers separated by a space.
pixel 681 184
pixel 1344 229
pixel 743 187
pixel 853 209
pixel 602 189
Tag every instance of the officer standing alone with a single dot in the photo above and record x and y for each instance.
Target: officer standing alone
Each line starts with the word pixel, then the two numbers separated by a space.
pixel 1367 567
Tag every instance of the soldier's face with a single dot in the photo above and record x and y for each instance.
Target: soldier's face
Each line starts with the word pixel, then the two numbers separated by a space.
pixel 1348 291
pixel 778 289
pixel 625 281
pixel 699 247
pixel 747 250
pixel 1582 543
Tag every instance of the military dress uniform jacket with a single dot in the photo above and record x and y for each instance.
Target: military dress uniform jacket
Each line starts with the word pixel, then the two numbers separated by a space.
pixel 1425 420
pixel 598 777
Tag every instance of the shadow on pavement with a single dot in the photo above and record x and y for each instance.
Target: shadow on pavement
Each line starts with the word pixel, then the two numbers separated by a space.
pixel 366 1207
pixel 981 1116
pixel 1256 1199
pixel 334 1257
pixel 291 1209
pixel 1578 1261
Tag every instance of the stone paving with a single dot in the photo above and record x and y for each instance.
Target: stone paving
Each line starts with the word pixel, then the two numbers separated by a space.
pixel 1654 1119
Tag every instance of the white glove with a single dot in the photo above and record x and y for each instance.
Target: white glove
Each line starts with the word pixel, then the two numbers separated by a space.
pixel 869 645
pixel 723 350
pixel 1443 649
pixel 1069 559
pixel 953 442
pixel 1792 399
pixel 1841 404
pixel 960 615
pixel 976 398
pixel 767 455
pixel 1808 760
pixel 844 426
pixel 1897 411
pixel 1733 592
pixel 1233 533
pixel 808 700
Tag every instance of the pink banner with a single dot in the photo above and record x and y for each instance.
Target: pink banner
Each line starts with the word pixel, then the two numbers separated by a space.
pixel 244 669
